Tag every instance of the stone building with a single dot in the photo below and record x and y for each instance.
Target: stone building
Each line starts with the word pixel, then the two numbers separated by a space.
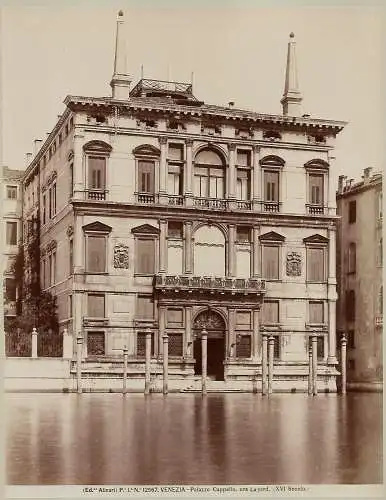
pixel 160 211
pixel 11 202
pixel 359 272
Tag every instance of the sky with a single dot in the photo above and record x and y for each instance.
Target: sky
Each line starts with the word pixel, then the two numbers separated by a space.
pixel 236 50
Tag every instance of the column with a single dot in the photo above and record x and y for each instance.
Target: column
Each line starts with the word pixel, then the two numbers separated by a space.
pixel 161 327
pixel 270 363
pixel 163 198
pixel 188 173
pixel 163 250
pixel 147 361
pixel 125 356
pixel 188 332
pixel 165 363
pixel 79 345
pixel 231 188
pixel 231 333
pixel 78 168
pixel 314 341
pixel 231 249
pixel 309 367
pixel 331 192
pixel 256 186
pixel 188 247
pixel 255 334
pixel 204 345
pixel 34 348
pixel 264 358
pixel 343 362
pixel 332 297
pixel 256 271
pixel 79 253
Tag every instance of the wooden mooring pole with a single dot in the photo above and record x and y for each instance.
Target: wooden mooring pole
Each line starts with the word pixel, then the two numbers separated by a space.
pixel 165 388
pixel 125 355
pixel 147 361
pixel 314 365
pixel 271 342
pixel 343 347
pixel 264 358
pixel 309 367
pixel 204 359
pixel 79 348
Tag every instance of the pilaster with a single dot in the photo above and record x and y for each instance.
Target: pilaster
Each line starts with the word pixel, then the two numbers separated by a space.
pixel 255 184
pixel 256 267
pixel 231 249
pixel 188 332
pixel 231 187
pixel 188 247
pixel 163 198
pixel 188 174
pixel 231 333
pixel 161 328
pixel 163 246
pixel 255 335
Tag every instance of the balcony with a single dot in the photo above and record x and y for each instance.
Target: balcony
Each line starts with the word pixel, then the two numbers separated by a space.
pixel 145 198
pixel 96 194
pixel 379 320
pixel 212 203
pixel 211 285
pixel 271 206
pixel 315 209
pixel 175 200
pixel 244 204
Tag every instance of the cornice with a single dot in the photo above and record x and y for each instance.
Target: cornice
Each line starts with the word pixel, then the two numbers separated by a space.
pixel 179 213
pixel 205 111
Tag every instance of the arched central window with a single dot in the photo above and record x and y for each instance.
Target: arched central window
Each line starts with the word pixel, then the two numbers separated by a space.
pixel 209 175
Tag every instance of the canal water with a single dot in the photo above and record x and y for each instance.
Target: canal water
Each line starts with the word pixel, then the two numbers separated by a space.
pixel 54 439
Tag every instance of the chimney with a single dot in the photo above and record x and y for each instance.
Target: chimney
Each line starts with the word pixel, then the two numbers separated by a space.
pixel 28 158
pixel 37 145
pixel 231 104
pixel 292 97
pixel 367 173
pixel 340 183
pixel 120 82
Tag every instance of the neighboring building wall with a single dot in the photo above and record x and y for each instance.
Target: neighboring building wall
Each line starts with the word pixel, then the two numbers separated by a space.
pixel 11 196
pixel 360 276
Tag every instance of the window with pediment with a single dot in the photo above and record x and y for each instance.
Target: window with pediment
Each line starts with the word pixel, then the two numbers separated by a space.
pixel 316 258
pixel 146 158
pixel 96 238
pixel 97 154
pixel 271 166
pixel 317 171
pixel 146 237
pixel 271 244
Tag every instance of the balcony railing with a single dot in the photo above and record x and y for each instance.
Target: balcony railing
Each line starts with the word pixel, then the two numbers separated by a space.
pixel 146 198
pixel 271 206
pixel 210 284
pixel 175 200
pixel 213 203
pixel 315 209
pixel 244 204
pixel 96 194
pixel 379 320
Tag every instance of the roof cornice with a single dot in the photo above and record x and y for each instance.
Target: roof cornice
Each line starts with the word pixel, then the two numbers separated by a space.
pixel 76 103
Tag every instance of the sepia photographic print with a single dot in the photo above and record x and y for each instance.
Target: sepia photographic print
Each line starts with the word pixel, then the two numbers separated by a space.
pixel 192 250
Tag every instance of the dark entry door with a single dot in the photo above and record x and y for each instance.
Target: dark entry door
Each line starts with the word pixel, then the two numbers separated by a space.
pixel 215 357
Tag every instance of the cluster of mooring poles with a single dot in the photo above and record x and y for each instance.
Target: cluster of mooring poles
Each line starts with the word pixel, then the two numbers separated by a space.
pixel 266 372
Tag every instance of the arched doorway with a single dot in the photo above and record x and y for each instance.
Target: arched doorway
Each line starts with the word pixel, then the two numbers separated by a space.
pixel 214 324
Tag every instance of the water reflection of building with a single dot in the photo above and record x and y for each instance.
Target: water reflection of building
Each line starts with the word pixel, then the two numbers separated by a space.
pixel 160 211
pixel 11 196
pixel 359 264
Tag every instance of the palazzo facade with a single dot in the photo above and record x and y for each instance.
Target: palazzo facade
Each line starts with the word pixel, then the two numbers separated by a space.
pixel 161 212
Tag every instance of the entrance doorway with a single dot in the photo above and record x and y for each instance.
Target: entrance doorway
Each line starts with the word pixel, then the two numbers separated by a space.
pixel 215 326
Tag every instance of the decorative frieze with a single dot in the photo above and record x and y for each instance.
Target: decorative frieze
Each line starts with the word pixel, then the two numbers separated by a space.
pixel 294 264
pixel 121 256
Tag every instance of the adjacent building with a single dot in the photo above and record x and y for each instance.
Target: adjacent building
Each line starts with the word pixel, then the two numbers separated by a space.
pixel 11 201
pixel 359 270
pixel 157 210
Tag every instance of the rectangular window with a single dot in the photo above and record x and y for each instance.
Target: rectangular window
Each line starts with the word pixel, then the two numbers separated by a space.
pixel 95 305
pixel 316 189
pixel 243 184
pixel 53 199
pixel 71 190
pixel 44 208
pixel 270 262
pixel 175 180
pixel 201 182
pixel 53 272
pixel 12 192
pixel 95 343
pixel 352 212
pixel 49 270
pixel 243 346
pixel 216 183
pixel 350 305
pixel 145 261
pixel 71 256
pixel 175 230
pixel 11 236
pixel 141 344
pixel 243 320
pixel 315 264
pixel 316 312
pixel 243 158
pixel 70 306
pixel 379 205
pixel 96 254
pixel 174 317
pixel 270 312
pixel 175 347
pixel 145 307
pixel 271 186
pixel 352 258
pixel 146 176
pixel 10 289
pixel 351 339
pixel 276 347
pixel 96 172
pixel 50 203
pixel 243 234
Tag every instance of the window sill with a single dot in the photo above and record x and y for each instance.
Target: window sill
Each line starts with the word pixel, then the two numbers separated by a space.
pixel 309 282
pixel 95 273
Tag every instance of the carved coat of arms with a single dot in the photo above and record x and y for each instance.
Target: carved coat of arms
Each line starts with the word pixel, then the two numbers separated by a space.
pixel 294 264
pixel 121 256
